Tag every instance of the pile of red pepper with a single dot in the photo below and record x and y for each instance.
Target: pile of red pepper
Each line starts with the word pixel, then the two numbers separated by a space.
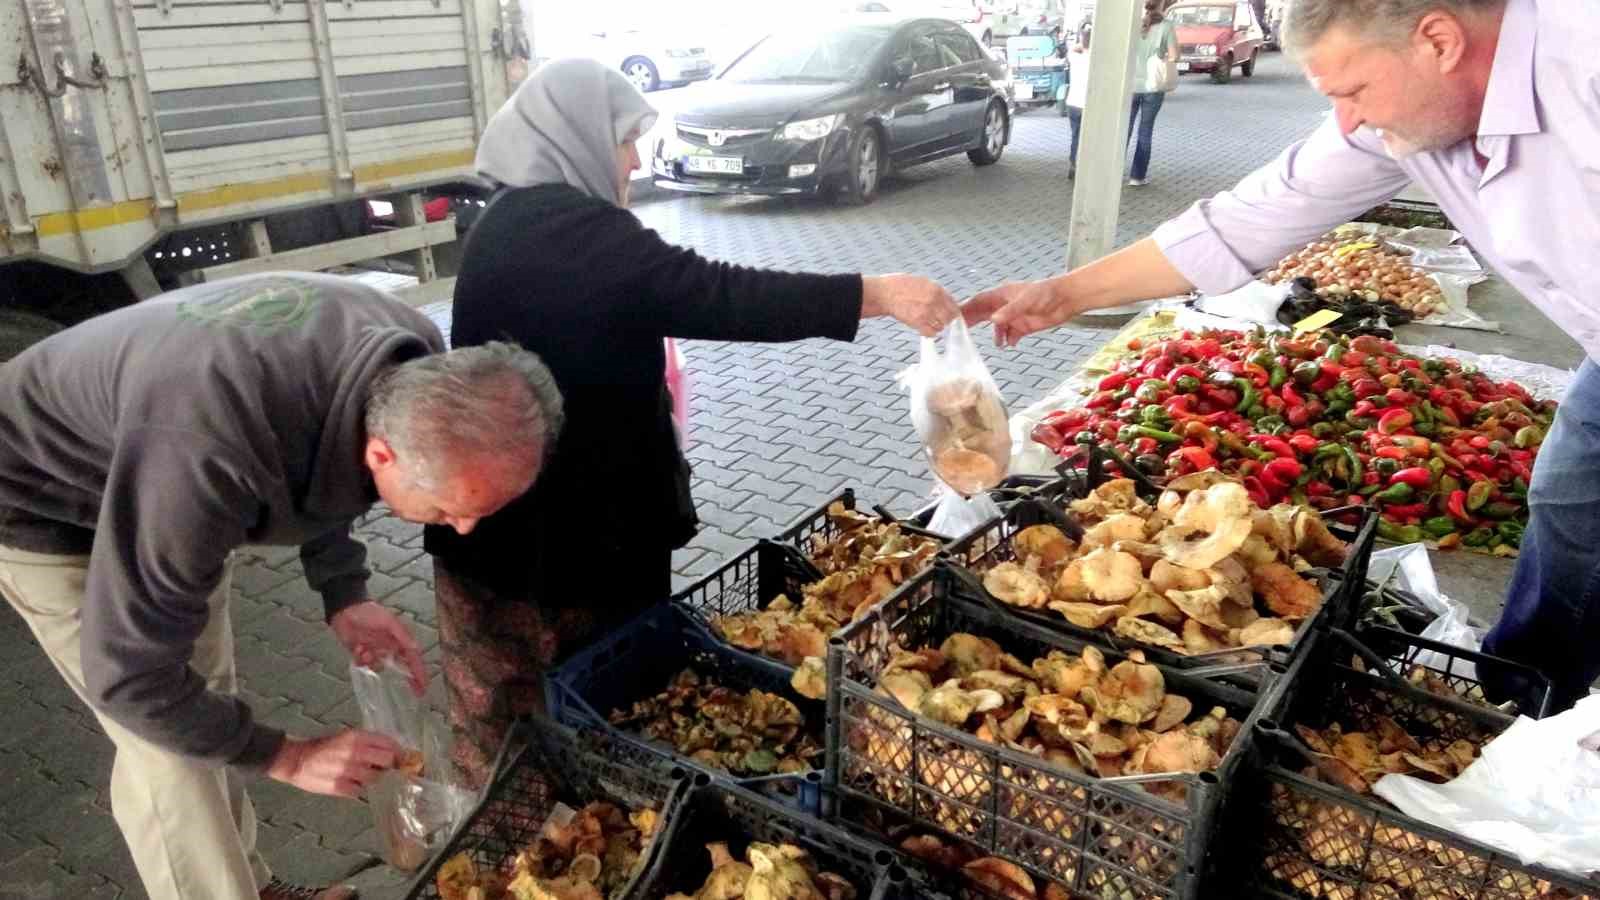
pixel 1445 452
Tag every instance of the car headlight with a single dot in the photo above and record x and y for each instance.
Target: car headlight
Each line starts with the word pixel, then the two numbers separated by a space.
pixel 1207 50
pixel 812 129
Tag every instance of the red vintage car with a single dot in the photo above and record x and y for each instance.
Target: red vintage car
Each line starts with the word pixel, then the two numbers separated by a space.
pixel 1217 35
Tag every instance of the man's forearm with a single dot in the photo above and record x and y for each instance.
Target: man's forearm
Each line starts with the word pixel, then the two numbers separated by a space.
pixel 1139 272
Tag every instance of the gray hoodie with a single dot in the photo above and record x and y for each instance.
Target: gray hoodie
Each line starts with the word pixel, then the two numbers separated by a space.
pixel 161 437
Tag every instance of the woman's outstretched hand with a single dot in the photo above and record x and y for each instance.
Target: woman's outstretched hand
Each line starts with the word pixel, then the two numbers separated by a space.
pixel 918 302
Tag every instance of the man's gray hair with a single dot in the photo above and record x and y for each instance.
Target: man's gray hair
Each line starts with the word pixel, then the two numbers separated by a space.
pixel 495 401
pixel 1306 22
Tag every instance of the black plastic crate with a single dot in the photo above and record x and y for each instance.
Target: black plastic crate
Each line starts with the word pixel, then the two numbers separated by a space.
pixel 1009 491
pixel 1311 839
pixel 815 526
pixel 542 764
pixel 985 549
pixel 1098 837
pixel 639 660
pixel 715 811
pixel 1402 653
pixel 748 582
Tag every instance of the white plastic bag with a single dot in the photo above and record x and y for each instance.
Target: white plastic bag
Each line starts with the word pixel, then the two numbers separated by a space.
pixel 957 411
pixel 413 812
pixel 1533 793
pixel 1408 568
pixel 957 516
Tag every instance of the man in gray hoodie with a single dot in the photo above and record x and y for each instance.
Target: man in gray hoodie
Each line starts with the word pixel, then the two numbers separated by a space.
pixel 140 448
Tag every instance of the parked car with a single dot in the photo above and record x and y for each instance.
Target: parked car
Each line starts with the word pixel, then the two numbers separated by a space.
pixel 829 111
pixel 651 57
pixel 1216 35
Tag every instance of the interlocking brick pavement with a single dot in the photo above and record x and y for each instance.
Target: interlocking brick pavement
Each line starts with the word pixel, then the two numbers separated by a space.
pixel 776 429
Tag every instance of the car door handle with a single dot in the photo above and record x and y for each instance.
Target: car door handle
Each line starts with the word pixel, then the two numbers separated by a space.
pixel 942 86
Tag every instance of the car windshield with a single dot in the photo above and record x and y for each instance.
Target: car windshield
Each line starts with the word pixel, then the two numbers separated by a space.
pixel 1201 15
pixel 839 55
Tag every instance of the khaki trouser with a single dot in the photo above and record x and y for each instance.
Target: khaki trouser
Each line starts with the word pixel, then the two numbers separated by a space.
pixel 189 825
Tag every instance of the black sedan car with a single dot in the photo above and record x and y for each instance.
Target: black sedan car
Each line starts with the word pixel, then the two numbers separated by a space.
pixel 829 111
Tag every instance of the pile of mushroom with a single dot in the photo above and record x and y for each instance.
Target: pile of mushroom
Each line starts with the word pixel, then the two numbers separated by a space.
pixel 1073 712
pixel 1202 570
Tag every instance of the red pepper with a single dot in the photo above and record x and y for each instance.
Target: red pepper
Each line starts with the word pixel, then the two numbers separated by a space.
pixel 1247 467
pixel 1180 407
pixel 1409 511
pixel 1370 478
pixel 1273 403
pixel 1365 387
pixel 1363 409
pixel 1257 375
pixel 1355 358
pixel 1258 493
pixel 1066 419
pixel 1113 381
pixel 1183 370
pixel 1448 416
pixel 1109 429
pixel 1456 506
pixel 1277 476
pixel 1325 383
pixel 1290 396
pixel 1102 400
pixel 1046 434
pixel 1273 445
pixel 1298 416
pixel 1414 365
pixel 1354 500
pixel 1397 397
pixel 1199 431
pixel 1395 453
pixel 1198 458
pixel 1521 470
pixel 1304 443
pixel 1223 398
pixel 1395 421
pixel 1417 476
pixel 1157 368
pixel 1318 489
pixel 1478 442
pixel 1146 445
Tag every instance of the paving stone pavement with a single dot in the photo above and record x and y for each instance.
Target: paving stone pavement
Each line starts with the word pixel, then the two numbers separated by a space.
pixel 775 430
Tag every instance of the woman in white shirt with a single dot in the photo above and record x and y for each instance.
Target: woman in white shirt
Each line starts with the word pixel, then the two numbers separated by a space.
pixel 1077 90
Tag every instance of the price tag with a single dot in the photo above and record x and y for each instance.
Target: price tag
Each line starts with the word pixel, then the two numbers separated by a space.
pixel 1322 318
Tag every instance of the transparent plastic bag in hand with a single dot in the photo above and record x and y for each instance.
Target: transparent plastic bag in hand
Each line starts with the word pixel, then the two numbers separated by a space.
pixel 417 805
pixel 957 411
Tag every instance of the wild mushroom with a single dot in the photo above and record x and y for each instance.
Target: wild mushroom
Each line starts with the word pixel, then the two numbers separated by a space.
pixel 810 679
pixel 1164 576
pixel 1175 708
pixel 1197 639
pixel 1266 633
pixel 952 705
pixel 1016 585
pixel 1120 527
pixel 1049 544
pixel 1285 592
pixel 1219 516
pixel 1130 692
pixel 1146 632
pixel 1057 710
pixel 1066 676
pixel 1179 751
pixel 1112 576
pixel 1089 615
pixel 1204 605
pixel 967 653
pixel 1000 878
pixel 906 686
pixel 1070 586
pixel 1149 604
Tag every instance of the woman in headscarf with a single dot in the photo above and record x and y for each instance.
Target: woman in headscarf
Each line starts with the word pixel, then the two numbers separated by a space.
pixel 558 264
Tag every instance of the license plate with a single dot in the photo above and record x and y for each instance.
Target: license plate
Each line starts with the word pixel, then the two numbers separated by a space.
pixel 1183 67
pixel 714 165
pixel 1023 90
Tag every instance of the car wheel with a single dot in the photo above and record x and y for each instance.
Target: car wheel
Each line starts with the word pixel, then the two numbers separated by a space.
pixel 1249 67
pixel 994 137
pixel 1223 73
pixel 642 72
pixel 865 172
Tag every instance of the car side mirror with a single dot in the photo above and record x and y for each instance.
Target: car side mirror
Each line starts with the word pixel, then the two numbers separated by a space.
pixel 902 70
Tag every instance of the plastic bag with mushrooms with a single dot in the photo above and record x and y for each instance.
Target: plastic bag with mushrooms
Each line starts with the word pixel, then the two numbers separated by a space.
pixel 957 411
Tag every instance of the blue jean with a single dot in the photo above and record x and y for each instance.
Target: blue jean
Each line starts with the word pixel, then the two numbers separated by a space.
pixel 1145 109
pixel 1075 115
pixel 1552 616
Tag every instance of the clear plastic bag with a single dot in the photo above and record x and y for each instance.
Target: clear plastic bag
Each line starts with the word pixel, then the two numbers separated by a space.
pixel 1533 793
pixel 416 806
pixel 957 411
pixel 1411 570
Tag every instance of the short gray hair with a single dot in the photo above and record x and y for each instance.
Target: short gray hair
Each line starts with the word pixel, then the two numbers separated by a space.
pixel 1306 22
pixel 493 401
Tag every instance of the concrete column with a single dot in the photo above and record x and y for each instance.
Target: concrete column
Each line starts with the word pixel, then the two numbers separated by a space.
pixel 1103 148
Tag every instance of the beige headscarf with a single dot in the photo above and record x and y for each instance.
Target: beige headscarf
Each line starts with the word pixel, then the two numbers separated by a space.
pixel 563 126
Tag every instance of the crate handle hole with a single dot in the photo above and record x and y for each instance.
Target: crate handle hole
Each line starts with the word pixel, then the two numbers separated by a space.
pixel 1209 778
pixel 1268 725
pixel 701 779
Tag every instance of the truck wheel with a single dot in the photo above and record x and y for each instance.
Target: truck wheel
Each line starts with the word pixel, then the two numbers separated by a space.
pixel 1223 73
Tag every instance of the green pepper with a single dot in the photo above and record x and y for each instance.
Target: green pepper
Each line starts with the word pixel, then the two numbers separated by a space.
pixel 1435 469
pixel 1322 430
pixel 1086 438
pixel 1396 493
pixel 1439 526
pixel 1264 359
pixel 1122 394
pixel 1354 461
pixel 1434 368
pixel 1501 510
pixel 1165 437
pixel 1340 393
pixel 1426 429
pixel 1370 489
pixel 1127 434
pixel 1152 391
pixel 1271 425
pixel 1278 377
pixel 1255 412
pixel 1511 533
pixel 1399 534
pixel 1307 373
pixel 1130 416
pixel 1519 489
pixel 1336 411
pixel 1385 466
pixel 1479 494
pixel 1187 384
pixel 1528 437
pixel 1448 484
pixel 1247 397
pixel 1155 416
pixel 1478 537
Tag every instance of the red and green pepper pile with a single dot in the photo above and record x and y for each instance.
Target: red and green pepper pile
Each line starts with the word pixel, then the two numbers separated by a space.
pixel 1445 452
